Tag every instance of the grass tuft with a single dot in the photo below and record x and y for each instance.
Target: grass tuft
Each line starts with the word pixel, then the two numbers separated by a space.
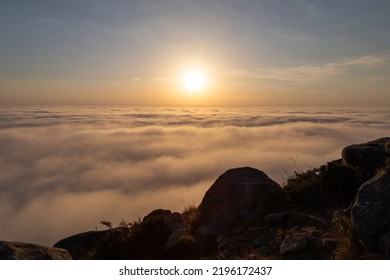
pixel 190 216
pixel 352 245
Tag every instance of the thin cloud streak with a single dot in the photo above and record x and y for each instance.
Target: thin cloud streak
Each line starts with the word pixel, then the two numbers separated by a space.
pixel 309 72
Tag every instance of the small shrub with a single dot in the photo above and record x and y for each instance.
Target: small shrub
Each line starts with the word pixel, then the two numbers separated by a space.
pixel 107 224
pixel 124 224
pixel 327 187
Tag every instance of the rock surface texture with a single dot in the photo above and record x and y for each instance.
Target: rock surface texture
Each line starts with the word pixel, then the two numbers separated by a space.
pixel 27 251
pixel 294 243
pixel 238 197
pixel 367 157
pixel 370 213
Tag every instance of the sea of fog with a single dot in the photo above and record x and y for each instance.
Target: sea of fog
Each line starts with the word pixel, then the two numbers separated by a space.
pixel 63 169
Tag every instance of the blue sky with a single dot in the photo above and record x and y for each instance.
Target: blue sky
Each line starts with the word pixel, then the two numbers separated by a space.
pixel 255 52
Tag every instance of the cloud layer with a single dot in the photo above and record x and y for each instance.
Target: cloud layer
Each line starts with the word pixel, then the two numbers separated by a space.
pixel 62 169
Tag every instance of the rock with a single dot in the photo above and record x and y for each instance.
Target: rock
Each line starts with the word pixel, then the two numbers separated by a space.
pixel 384 245
pixel 294 243
pixel 315 218
pixel 367 157
pixel 313 233
pixel 157 229
pixel 277 217
pixel 156 213
pixel 172 221
pixel 174 238
pixel 28 251
pixel 330 242
pixel 265 239
pixel 256 254
pixel 81 245
pixel 223 242
pixel 370 213
pixel 238 197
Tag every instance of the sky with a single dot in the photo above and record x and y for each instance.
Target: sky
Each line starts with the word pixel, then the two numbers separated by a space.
pixel 65 168
pixel 253 52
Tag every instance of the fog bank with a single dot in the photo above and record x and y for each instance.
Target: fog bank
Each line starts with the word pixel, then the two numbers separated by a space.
pixel 63 169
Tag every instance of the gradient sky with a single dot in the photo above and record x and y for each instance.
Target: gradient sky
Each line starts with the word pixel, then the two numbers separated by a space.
pixel 255 52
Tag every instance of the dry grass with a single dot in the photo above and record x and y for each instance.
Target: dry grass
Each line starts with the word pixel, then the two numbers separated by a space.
pixel 191 217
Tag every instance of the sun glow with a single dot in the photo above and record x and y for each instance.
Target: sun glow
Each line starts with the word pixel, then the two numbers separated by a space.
pixel 194 80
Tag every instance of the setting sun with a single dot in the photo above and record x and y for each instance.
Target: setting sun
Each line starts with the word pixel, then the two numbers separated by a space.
pixel 194 80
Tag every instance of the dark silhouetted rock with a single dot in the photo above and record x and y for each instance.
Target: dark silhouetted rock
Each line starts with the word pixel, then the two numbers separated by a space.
pixel 143 240
pixel 157 212
pixel 174 224
pixel 316 219
pixel 27 251
pixel 330 242
pixel 83 245
pixel 384 245
pixel 277 217
pixel 237 198
pixel 172 221
pixel 295 242
pixel 265 239
pixel 174 238
pixel 370 213
pixel 367 157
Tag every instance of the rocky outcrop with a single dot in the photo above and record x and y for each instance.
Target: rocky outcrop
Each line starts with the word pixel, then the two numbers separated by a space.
pixel 367 157
pixel 370 213
pixel 238 197
pixel 27 251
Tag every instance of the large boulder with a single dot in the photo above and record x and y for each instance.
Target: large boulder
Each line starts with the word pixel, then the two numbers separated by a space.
pixel 367 157
pixel 370 213
pixel 237 198
pixel 28 251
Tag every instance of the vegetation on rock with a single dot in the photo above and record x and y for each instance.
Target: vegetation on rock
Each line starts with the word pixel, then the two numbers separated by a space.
pixel 330 186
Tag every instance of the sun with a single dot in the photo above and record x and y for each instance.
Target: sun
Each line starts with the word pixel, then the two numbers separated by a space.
pixel 194 80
